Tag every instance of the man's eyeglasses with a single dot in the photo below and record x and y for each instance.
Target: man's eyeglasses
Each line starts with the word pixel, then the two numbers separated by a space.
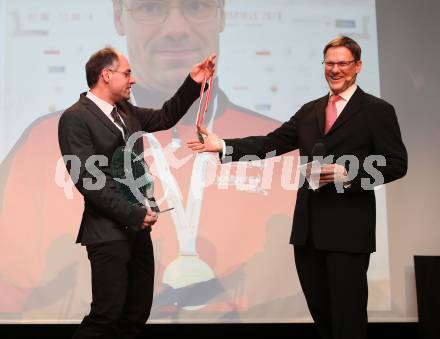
pixel 127 74
pixel 157 11
pixel 340 64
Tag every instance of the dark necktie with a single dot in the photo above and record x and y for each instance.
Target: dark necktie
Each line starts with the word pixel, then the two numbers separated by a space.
pixel 118 121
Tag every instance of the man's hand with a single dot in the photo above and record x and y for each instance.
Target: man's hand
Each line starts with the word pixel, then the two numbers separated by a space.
pixel 333 173
pixel 205 69
pixel 212 143
pixel 149 220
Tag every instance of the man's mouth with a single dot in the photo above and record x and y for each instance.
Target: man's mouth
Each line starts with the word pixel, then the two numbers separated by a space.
pixel 176 52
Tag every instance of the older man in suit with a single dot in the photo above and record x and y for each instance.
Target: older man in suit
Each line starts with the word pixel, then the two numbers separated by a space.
pixel 334 233
pixel 114 230
pixel 163 40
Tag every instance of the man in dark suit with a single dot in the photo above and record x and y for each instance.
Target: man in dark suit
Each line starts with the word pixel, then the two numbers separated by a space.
pixel 334 226
pixel 162 45
pixel 115 231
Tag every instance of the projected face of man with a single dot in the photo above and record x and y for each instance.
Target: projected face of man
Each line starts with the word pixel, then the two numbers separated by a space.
pixel 166 37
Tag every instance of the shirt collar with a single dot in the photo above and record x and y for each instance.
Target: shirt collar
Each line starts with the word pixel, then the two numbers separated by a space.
pixel 102 104
pixel 348 93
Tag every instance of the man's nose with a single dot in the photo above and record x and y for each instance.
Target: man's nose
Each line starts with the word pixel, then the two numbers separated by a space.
pixel 175 24
pixel 335 68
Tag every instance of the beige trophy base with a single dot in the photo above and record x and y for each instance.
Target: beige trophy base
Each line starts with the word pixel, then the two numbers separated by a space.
pixel 187 270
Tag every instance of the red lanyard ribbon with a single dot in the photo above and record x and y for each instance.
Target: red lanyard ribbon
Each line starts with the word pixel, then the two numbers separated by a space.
pixel 200 113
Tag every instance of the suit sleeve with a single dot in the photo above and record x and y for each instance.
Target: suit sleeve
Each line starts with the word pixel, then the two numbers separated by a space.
pixel 387 144
pixel 172 111
pixel 277 142
pixel 75 139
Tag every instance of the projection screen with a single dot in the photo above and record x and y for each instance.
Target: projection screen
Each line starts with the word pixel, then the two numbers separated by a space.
pixel 223 253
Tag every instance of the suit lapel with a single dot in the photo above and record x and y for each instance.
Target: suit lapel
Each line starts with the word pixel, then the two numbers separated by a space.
pixel 96 111
pixel 352 108
pixel 127 119
pixel 320 113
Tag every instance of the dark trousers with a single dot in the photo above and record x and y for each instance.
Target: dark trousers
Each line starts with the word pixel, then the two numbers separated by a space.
pixel 122 288
pixel 336 290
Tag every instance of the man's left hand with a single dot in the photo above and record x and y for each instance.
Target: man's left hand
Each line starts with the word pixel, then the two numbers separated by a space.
pixel 333 173
pixel 204 69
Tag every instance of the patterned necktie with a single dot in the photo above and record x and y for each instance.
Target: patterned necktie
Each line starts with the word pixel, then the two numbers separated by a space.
pixel 118 121
pixel 331 112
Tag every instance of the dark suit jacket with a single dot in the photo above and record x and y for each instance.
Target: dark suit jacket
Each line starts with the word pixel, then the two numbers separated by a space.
pixel 85 131
pixel 367 126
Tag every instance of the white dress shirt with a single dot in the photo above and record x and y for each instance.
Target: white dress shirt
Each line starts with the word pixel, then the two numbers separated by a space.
pixel 346 95
pixel 106 108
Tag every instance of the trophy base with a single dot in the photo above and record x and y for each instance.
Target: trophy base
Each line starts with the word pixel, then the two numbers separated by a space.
pixel 187 270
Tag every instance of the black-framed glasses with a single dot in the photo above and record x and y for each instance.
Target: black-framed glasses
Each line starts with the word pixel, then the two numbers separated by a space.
pixel 157 11
pixel 127 74
pixel 340 64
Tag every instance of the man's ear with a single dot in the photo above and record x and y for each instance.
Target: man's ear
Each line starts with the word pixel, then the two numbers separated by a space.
pixel 358 66
pixel 106 75
pixel 117 17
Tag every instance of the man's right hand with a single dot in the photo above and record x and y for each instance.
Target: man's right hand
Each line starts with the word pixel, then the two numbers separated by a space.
pixel 149 220
pixel 212 143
